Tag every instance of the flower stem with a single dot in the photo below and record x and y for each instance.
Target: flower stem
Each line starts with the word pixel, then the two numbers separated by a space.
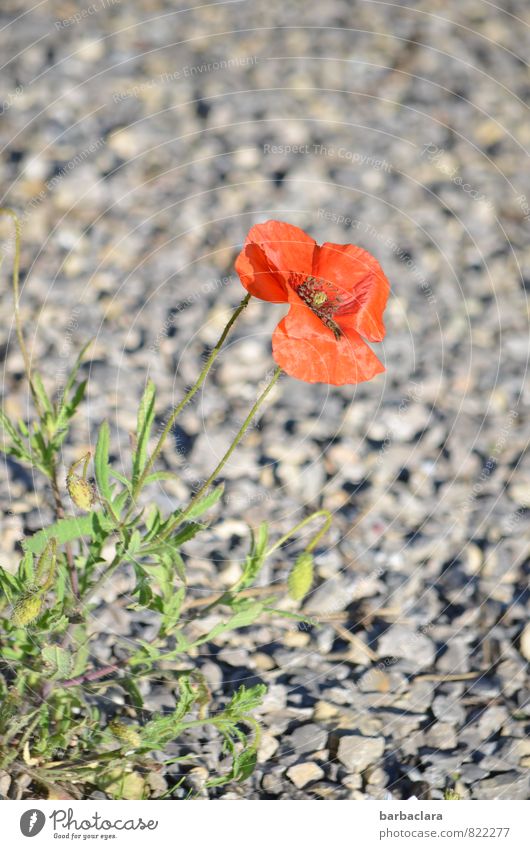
pixel 226 456
pixel 188 396
pixel 16 299
pixel 314 540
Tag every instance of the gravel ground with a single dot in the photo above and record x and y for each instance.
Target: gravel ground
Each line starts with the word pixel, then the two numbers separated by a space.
pixel 139 144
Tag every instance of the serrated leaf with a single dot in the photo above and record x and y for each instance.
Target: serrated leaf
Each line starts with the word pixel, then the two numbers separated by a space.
pixel 134 544
pixel 10 429
pixel 172 608
pixel 57 660
pixel 8 584
pixel 206 502
pixel 246 699
pixel 255 559
pixel 101 461
pixel 245 616
pixel 245 764
pixel 187 532
pixel 146 415
pixel 133 691
pixel 73 374
pixel 41 393
pixel 67 411
pixel 66 530
pixel 81 655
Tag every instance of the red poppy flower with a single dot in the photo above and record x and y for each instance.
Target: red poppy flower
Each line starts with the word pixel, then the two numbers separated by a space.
pixel 337 295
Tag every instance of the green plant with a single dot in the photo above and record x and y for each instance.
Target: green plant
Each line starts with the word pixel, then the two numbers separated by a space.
pixel 52 727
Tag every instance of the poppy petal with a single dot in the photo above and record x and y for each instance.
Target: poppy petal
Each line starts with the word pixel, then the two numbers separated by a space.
pixel 356 273
pixel 317 356
pixel 287 247
pixel 258 277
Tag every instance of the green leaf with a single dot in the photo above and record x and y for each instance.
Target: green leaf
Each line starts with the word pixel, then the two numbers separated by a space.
pixel 73 374
pixel 17 448
pixel 57 660
pixel 120 501
pixel 255 560
pixel 66 530
pixel 26 571
pixel 187 532
pixel 10 429
pixel 67 411
pixel 146 416
pixel 245 764
pixel 246 615
pixel 121 478
pixel 82 654
pixel 160 476
pixel 41 393
pixel 206 502
pixel 129 685
pixel 101 462
pixel 172 608
pixel 187 697
pixel 246 699
pixel 9 584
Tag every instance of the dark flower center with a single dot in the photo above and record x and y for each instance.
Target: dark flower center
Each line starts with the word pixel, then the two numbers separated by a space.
pixel 324 304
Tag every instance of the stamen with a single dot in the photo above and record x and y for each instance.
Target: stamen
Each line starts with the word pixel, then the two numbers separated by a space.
pixel 311 291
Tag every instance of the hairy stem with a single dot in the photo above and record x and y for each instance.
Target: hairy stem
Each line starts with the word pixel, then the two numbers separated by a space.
pixel 59 514
pixel 188 396
pixel 226 456
pixel 315 539
pixel 16 302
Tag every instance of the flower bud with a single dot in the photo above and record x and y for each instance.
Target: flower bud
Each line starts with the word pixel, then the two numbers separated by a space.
pixel 301 577
pixel 125 733
pixel 46 564
pixel 26 610
pixel 80 491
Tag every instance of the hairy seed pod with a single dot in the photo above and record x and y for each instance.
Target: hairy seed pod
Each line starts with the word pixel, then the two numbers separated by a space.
pixel 125 733
pixel 26 610
pixel 46 565
pixel 80 491
pixel 301 577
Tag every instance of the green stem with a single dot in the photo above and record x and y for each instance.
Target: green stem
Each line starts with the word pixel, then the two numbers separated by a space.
pixel 314 541
pixel 105 575
pixel 188 396
pixel 226 456
pixel 16 298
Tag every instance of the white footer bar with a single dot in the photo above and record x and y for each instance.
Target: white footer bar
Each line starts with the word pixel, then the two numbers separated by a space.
pixel 250 825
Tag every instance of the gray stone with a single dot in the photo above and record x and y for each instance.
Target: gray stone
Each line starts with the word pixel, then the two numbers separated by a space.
pixel 441 735
pixel 308 738
pixel 403 642
pixel 509 785
pixel 357 752
pixel 304 773
pixel 448 709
